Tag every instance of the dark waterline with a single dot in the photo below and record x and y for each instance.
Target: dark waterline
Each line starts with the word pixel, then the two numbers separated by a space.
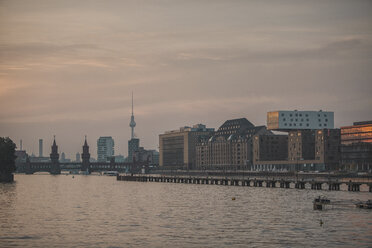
pixel 98 211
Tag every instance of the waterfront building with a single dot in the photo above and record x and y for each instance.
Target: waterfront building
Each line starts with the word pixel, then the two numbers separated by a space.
pixel 150 156
pixel 308 150
pixel 301 145
pixel 177 147
pixel 270 147
pixel 230 147
pixel 356 148
pixel 155 158
pixel 105 148
pixel 358 132
pixel 285 120
pixel 133 146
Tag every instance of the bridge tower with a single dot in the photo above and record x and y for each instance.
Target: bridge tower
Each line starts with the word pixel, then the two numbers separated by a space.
pixel 85 156
pixel 55 168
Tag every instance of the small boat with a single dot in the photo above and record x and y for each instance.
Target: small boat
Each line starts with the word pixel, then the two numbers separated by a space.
pixel 367 204
pixel 320 202
pixel 110 173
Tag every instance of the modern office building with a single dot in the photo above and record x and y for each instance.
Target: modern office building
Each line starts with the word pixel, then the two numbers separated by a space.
pixel 356 147
pixel 359 132
pixel 105 148
pixel 308 150
pixel 284 120
pixel 230 147
pixel 40 147
pixel 177 147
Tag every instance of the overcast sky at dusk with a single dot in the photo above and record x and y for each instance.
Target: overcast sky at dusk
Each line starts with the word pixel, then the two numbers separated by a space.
pixel 68 67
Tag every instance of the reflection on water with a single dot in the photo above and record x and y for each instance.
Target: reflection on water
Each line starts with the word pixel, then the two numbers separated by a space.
pixel 98 211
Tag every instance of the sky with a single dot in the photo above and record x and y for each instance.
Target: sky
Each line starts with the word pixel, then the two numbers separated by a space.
pixel 67 68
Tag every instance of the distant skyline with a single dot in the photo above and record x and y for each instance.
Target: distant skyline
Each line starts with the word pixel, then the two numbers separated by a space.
pixel 67 68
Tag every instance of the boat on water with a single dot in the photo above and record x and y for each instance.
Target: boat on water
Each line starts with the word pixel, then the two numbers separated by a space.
pixel 320 202
pixel 110 173
pixel 367 204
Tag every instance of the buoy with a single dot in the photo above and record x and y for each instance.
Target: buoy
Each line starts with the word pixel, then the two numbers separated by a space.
pixel 233 198
pixel 73 177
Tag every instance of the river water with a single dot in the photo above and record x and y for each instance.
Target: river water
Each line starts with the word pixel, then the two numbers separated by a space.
pixel 98 211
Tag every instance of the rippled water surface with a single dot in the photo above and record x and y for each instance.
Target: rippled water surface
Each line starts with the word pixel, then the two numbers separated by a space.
pixel 98 211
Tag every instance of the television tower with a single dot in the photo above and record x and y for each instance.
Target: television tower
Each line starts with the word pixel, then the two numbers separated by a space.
pixel 132 123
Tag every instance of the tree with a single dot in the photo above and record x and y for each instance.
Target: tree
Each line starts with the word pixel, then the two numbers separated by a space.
pixel 7 156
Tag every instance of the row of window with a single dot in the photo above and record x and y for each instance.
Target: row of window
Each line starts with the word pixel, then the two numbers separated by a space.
pixel 300 115
pixel 300 125
pixel 326 120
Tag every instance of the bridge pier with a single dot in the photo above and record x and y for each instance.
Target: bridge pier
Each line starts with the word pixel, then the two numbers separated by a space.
pixel 270 183
pixel 299 185
pixel 257 183
pixel 245 183
pixel 334 186
pixel 316 186
pixel 353 187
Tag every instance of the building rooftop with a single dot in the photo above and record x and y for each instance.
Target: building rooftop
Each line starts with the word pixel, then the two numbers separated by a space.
pixel 194 128
pixel 362 123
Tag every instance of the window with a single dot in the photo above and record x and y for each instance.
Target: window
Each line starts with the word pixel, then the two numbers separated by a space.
pixel 319 120
pixel 300 115
pixel 301 124
pixel 320 125
pixel 291 119
pixel 325 124
pixel 290 115
pixel 326 120
pixel 307 115
pixel 283 119
pixel 285 124
pixel 282 114
pixel 290 124
pixel 294 124
pixel 302 119
pixel 318 115
pixel 307 119
pixel 307 124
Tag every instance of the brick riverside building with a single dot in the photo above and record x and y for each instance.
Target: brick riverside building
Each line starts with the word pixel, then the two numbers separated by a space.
pixel 230 147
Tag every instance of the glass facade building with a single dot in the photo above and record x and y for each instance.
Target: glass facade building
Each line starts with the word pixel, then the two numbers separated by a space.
pixel 359 132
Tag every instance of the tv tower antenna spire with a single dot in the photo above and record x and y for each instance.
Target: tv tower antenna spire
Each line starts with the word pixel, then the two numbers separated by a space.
pixel 132 123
